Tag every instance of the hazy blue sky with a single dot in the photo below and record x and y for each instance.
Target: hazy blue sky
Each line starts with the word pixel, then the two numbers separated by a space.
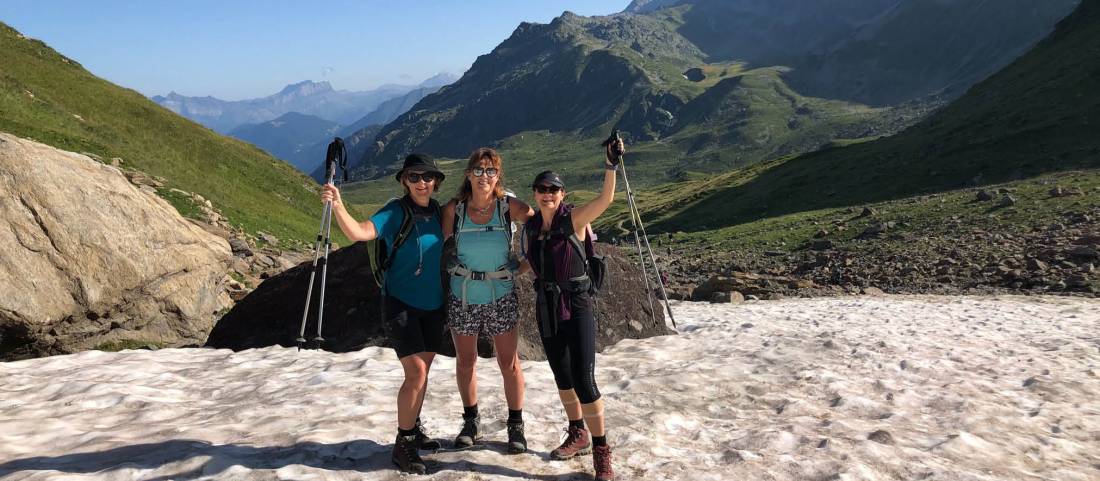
pixel 235 49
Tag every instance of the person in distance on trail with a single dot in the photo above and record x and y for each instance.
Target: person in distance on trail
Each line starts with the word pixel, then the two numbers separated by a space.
pixel 412 291
pixel 566 321
pixel 482 299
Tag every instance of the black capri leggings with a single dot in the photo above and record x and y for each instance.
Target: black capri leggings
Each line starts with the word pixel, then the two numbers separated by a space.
pixel 571 351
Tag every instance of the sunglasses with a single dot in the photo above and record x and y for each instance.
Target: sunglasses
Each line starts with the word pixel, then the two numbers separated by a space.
pixel 416 177
pixel 478 172
pixel 547 189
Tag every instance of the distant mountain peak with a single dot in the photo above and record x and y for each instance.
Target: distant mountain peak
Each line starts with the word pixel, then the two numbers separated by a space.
pixel 645 6
pixel 306 87
pixel 438 80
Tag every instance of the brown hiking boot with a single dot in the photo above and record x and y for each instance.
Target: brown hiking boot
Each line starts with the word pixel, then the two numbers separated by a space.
pixel 601 459
pixel 576 443
pixel 405 456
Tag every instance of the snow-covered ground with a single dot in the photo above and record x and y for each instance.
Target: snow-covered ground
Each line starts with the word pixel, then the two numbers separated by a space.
pixel 874 388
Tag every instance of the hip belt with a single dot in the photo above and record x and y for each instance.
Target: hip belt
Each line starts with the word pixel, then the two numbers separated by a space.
pixel 548 300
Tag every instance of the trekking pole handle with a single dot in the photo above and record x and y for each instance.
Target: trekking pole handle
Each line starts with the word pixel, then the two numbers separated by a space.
pixel 337 156
pixel 613 141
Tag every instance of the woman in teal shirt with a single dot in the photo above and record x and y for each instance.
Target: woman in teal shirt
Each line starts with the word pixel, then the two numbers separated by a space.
pixel 482 300
pixel 413 312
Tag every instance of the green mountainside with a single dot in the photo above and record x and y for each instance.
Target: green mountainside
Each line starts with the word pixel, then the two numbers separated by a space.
pixel 876 52
pixel 701 84
pixel 49 98
pixel 1037 116
pixel 576 77
pixel 920 48
pixel 544 77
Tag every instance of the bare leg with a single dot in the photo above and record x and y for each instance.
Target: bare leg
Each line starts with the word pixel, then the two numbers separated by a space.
pixel 593 417
pixel 571 404
pixel 427 357
pixel 465 368
pixel 508 360
pixel 411 395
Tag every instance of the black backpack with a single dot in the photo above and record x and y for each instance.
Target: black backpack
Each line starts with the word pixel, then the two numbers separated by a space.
pixel 595 265
pixel 381 255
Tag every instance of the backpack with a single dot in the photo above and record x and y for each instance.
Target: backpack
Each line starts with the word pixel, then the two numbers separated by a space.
pixel 504 215
pixel 456 268
pixel 595 265
pixel 381 255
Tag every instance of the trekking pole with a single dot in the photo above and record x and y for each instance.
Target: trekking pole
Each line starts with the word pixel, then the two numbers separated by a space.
pixel 636 219
pixel 637 242
pixel 638 246
pixel 336 157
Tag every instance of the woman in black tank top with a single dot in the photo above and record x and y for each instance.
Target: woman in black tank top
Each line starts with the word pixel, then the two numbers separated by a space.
pixel 564 310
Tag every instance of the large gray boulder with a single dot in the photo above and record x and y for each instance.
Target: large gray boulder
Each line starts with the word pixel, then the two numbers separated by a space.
pixel 90 259
pixel 272 313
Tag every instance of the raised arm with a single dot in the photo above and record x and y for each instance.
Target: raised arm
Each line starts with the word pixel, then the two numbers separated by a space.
pixel 587 213
pixel 354 230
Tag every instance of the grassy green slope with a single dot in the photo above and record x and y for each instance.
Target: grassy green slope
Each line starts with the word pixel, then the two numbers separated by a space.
pixel 570 81
pixel 52 99
pixel 1037 116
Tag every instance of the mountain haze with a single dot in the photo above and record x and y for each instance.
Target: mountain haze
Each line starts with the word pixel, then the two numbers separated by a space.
pixel 287 136
pixel 359 136
pixel 312 98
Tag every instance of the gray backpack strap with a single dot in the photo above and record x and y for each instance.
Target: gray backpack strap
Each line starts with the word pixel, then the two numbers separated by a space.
pixel 460 219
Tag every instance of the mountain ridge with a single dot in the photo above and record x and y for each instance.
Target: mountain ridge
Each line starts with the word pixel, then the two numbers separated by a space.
pixel 581 75
pixel 1034 117
pixel 319 99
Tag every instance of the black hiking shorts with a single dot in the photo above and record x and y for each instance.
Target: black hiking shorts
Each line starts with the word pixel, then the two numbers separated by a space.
pixel 411 330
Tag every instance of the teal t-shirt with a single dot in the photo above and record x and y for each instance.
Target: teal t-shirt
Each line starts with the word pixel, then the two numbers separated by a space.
pixel 482 250
pixel 414 275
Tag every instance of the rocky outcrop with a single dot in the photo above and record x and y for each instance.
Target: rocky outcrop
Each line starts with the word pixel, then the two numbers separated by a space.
pixel 1049 244
pixel 272 313
pixel 91 259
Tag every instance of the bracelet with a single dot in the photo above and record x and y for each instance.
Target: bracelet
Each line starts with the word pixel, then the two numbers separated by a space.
pixel 610 167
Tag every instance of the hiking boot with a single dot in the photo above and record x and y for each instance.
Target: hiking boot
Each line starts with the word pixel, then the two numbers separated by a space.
pixel 468 436
pixel 405 456
pixel 517 443
pixel 601 459
pixel 576 443
pixel 423 441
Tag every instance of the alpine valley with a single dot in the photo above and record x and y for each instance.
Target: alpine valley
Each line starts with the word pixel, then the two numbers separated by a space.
pixel 776 148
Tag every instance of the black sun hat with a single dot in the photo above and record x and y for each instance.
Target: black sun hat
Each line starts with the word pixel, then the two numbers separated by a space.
pixel 548 177
pixel 422 162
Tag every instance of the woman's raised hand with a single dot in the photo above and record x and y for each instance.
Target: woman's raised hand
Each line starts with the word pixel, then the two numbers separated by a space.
pixel 329 193
pixel 615 151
